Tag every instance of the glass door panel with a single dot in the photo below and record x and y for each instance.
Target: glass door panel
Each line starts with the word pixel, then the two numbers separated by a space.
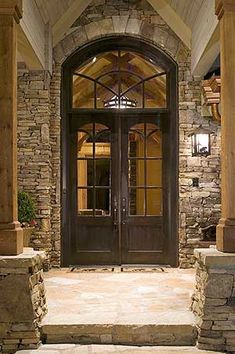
pixel 145 169
pixel 94 170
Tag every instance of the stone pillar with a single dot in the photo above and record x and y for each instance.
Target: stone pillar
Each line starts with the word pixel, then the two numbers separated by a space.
pixel 213 300
pixel 22 301
pixel 225 10
pixel 11 237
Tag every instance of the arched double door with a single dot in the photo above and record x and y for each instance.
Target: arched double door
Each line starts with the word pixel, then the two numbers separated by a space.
pixel 120 169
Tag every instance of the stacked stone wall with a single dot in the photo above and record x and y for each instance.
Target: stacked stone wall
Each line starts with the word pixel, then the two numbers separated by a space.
pixel 213 301
pixel 22 301
pixel 198 206
pixel 34 149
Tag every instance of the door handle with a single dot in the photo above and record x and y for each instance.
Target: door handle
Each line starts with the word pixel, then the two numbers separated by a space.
pixel 115 213
pixel 123 211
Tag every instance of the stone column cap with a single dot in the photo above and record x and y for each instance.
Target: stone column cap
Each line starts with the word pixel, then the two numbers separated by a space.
pixel 215 259
pixel 24 260
pixel 12 7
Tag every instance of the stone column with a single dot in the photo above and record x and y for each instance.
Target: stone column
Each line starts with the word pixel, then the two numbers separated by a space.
pixel 11 237
pixel 225 10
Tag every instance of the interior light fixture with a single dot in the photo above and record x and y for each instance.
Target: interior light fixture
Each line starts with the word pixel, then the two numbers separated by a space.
pixel 122 103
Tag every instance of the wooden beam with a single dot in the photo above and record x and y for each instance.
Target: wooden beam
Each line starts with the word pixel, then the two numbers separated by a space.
pixel 208 56
pixel 225 240
pixel 34 38
pixel 27 52
pixel 205 39
pixel 68 18
pixel 173 20
pixel 31 36
pixel 11 234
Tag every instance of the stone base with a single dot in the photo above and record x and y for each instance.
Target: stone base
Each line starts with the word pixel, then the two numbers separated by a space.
pixel 11 242
pixel 213 301
pixel 22 301
pixel 225 237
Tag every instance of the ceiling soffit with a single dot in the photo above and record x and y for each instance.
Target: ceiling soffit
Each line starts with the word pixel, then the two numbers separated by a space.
pixel 178 14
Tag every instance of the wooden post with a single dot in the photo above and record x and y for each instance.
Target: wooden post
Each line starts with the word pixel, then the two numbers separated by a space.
pixel 225 237
pixel 11 235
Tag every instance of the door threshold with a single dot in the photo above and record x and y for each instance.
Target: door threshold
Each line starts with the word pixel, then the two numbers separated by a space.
pixel 124 268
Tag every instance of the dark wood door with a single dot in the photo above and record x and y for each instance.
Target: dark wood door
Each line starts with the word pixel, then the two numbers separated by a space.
pixel 118 196
pixel 143 194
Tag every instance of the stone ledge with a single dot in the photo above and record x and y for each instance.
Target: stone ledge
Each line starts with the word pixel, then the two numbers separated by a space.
pixel 213 258
pixel 26 259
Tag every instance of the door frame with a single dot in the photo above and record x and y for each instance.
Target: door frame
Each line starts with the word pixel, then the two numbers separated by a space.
pixel 77 58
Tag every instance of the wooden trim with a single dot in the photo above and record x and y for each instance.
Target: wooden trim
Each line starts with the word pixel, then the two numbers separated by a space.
pixel 222 6
pixel 211 91
pixel 13 8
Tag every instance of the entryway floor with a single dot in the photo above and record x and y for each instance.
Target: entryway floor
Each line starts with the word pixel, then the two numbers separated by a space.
pixel 112 349
pixel 130 307
pixel 122 298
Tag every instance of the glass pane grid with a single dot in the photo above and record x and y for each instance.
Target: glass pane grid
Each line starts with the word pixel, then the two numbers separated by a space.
pixel 145 187
pixel 94 171
pixel 119 80
pixel 145 170
pixel 145 158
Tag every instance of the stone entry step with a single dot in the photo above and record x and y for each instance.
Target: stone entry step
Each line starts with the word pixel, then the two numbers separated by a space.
pixel 127 308
pixel 109 349
pixel 122 334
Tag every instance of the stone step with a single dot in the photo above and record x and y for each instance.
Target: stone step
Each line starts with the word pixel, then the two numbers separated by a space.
pixel 109 349
pixel 122 334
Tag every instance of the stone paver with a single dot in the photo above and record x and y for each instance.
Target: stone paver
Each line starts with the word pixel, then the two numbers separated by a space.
pixel 106 349
pixel 120 298
pixel 130 308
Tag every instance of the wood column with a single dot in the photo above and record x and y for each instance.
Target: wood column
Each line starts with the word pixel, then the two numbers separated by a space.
pixel 225 234
pixel 11 234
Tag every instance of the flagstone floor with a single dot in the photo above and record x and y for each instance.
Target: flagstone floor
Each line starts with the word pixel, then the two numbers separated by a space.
pixel 119 297
pixel 112 349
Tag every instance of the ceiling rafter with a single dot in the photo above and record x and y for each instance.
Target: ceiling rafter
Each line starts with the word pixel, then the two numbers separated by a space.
pixel 205 39
pixel 68 18
pixel 173 20
pixel 162 7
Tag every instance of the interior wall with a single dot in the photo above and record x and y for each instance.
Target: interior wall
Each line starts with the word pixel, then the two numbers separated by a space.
pixel 198 206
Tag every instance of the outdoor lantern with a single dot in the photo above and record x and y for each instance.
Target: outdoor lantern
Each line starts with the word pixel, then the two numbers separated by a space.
pixel 200 140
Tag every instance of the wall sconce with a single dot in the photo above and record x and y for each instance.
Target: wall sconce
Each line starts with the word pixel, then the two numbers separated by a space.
pixel 200 140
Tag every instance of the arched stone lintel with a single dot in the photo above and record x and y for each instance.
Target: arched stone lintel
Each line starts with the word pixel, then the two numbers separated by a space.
pixel 122 26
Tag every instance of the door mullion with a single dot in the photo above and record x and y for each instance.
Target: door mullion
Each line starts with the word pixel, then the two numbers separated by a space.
pixel 119 189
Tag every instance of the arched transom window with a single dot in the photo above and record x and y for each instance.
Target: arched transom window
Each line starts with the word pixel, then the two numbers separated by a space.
pixel 119 79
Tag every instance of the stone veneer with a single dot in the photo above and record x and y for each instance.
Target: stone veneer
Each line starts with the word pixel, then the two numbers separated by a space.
pixel 34 148
pixel 213 301
pixel 39 126
pixel 22 300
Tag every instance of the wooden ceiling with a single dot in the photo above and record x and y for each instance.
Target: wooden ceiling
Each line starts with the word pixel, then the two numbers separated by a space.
pixel 187 9
pixel 53 10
